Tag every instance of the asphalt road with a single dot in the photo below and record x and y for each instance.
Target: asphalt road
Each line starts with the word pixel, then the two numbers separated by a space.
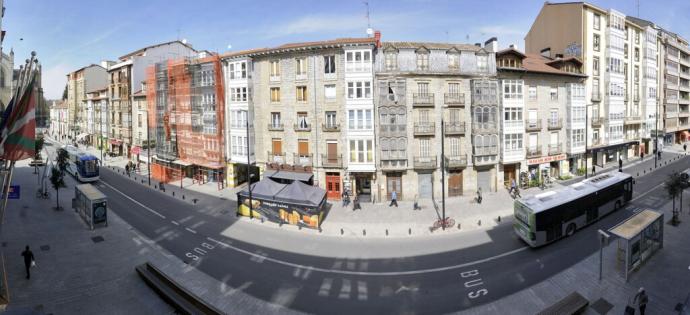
pixel 429 284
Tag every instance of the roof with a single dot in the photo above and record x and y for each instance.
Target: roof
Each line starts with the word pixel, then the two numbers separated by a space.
pixel 428 45
pixel 300 46
pixel 91 192
pixel 634 225
pixel 139 93
pixel 84 67
pixel 539 64
pixel 140 51
pixel 639 21
pixel 547 200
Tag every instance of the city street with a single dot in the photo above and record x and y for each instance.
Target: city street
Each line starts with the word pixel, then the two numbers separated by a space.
pixel 434 283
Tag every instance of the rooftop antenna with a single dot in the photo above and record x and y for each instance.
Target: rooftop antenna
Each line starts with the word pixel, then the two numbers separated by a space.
pixel 370 32
pixel 638 8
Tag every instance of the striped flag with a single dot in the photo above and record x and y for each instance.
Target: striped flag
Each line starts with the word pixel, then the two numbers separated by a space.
pixel 18 131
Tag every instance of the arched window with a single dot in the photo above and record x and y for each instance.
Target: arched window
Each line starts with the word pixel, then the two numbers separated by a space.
pixel 2 78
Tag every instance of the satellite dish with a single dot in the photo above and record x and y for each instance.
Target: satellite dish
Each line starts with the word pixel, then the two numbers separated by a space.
pixel 184 41
pixel 229 46
pixel 370 31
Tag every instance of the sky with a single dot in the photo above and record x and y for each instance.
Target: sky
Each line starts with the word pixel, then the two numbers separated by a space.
pixel 70 34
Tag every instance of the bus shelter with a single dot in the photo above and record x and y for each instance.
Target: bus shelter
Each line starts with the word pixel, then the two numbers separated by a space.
pixel 91 204
pixel 639 237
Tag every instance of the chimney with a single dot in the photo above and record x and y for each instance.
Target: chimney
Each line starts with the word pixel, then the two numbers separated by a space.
pixel 546 52
pixel 491 45
pixel 559 56
pixel 377 36
pixel 478 45
pixel 512 46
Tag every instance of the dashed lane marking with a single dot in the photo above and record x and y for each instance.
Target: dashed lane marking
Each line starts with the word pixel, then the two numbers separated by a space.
pixel 190 230
pixel 132 199
pixel 174 222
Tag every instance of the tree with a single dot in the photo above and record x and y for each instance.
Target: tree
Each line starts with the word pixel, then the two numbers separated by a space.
pixel 38 146
pixel 674 187
pixel 61 160
pixel 64 93
pixel 57 179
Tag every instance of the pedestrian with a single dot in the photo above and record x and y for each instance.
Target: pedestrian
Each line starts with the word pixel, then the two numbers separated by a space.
pixel 685 147
pixel 394 199
pixel 641 300
pixel 355 204
pixel 513 186
pixel 658 153
pixel 594 169
pixel 127 169
pixel 416 206
pixel 346 198
pixel 28 261
pixel 620 164
pixel 641 156
pixel 479 195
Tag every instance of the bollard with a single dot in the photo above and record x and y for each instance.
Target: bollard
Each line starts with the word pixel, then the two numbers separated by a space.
pixel 262 218
pixel 195 200
pixel 341 231
pixel 182 197
pixel 364 232
pixel 173 193
pixel 499 219
pixel 479 223
pixel 638 174
pixel 644 171
pixel 409 231
pixel 320 230
pixel 280 224
pixel 458 226
pixel 155 186
pixel 386 232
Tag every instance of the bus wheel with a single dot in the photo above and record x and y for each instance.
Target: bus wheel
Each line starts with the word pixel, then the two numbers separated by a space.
pixel 570 230
pixel 617 205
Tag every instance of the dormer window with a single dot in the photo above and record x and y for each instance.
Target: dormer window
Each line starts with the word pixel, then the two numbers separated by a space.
pixel 482 63
pixel 453 61
pixel 391 60
pixel 422 60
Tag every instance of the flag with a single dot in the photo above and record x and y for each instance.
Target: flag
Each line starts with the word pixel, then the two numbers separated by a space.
pixel 18 131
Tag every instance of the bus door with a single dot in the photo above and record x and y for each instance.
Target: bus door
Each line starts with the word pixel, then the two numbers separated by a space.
pixel 592 213
pixel 628 186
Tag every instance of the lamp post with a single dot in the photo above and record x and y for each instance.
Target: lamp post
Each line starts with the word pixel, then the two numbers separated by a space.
pixel 586 137
pixel 148 149
pixel 249 174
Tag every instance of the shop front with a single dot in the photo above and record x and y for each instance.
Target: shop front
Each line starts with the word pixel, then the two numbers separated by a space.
pixel 576 164
pixel 510 173
pixel 361 184
pixel 116 147
pixel 333 186
pixel 553 165
pixel 236 174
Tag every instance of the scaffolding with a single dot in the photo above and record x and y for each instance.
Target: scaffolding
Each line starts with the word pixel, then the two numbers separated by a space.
pixel 186 115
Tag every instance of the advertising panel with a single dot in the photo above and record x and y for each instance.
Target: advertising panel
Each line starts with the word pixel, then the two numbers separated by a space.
pixel 281 212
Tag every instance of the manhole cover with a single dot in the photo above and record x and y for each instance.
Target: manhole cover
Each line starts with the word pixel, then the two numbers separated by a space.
pixel 601 306
pixel 45 248
pixel 97 239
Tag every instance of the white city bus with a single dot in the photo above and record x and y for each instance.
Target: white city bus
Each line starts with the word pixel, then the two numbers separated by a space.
pixel 549 216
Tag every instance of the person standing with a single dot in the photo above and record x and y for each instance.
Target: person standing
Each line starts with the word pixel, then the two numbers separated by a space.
pixel 641 299
pixel 127 169
pixel 28 260
pixel 685 147
pixel 594 169
pixel 620 164
pixel 394 199
pixel 355 204
pixel 641 156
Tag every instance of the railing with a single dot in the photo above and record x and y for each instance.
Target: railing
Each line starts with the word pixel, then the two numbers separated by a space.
pixel 392 130
pixel 393 164
pixel 424 129
pixel 456 161
pixel 330 127
pixel 553 124
pixel 276 157
pixel 276 127
pixel 485 150
pixel 632 119
pixel 597 121
pixel 332 160
pixel 302 159
pixel 555 149
pixel 300 127
pixel 533 125
pixel 455 128
pixel 424 162
pixel 597 142
pixel 454 99
pixel 596 96
pixel 425 100
pixel 484 128
pixel 534 152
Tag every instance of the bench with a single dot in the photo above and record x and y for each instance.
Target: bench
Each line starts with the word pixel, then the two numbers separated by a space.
pixel 574 303
pixel 180 298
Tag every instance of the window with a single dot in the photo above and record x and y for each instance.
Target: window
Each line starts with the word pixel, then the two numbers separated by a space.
pixel 424 147
pixel 275 120
pixel 359 119
pixel 139 119
pixel 578 137
pixel 358 60
pixel 512 142
pixel 637 54
pixel 637 37
pixel 512 114
pixel 391 61
pixel 595 88
pixel 239 94
pixel 359 89
pixel 625 50
pixel 453 61
pixel 329 91
pixel 303 147
pixel 454 89
pixel 595 65
pixel 596 42
pixel 637 73
pixel 331 121
pixel 239 145
pixel 423 61
pixel 533 93
pixel 361 151
pixel 301 66
pixel 275 68
pixel 301 93
pixel 329 64
pixel 238 70
pixel 454 145
pixel 302 120
pixel 554 93
pixel 423 88
pixel 482 63
pixel 275 94
pixel 597 22
pixel 454 115
pixel 512 89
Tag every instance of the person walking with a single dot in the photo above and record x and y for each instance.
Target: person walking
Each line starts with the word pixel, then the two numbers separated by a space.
pixel 620 164
pixel 355 204
pixel 479 195
pixel 28 261
pixel 594 169
pixel 685 147
pixel 346 198
pixel 127 169
pixel 513 186
pixel 641 300
pixel 641 156
pixel 394 199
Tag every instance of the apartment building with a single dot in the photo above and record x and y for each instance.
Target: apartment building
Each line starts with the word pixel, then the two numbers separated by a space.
pixel 140 140
pixel 96 110
pixel 310 112
pixel 6 82
pixel 84 80
pixel 424 90
pixel 59 120
pixel 612 50
pixel 124 78
pixel 186 114
pixel 675 75
pixel 543 114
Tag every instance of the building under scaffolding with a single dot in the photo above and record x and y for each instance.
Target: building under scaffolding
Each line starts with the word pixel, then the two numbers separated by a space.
pixel 186 116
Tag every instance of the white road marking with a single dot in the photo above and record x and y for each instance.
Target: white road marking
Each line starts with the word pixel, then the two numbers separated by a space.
pixel 132 199
pixel 345 290
pixel 366 273
pixel 362 291
pixel 646 192
pixel 190 230
pixel 174 222
pixel 325 286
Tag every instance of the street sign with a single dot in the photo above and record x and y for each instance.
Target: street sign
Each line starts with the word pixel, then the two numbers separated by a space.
pixel 14 192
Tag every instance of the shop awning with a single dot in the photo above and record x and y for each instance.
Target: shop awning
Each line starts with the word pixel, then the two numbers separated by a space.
pixel 135 150
pixel 180 162
pixel 281 174
pixel 115 141
pixel 82 135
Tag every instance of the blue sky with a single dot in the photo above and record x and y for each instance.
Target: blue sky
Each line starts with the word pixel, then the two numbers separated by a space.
pixel 70 34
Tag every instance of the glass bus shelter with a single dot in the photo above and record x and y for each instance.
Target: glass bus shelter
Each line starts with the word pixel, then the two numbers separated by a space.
pixel 639 237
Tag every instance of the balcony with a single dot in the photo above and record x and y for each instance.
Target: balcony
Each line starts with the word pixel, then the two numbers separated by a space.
pixel 598 121
pixel 632 120
pixel 454 99
pixel 276 127
pixel 597 142
pixel 485 150
pixel 330 127
pixel 302 159
pixel 456 161
pixel 276 157
pixel 555 149
pixel 393 164
pixel 596 96
pixel 534 152
pixel 332 161
pixel 302 127
pixel 533 125
pixel 554 124
pixel 424 129
pixel 632 137
pixel 423 100
pixel 684 87
pixel 685 74
pixel 455 128
pixel 684 112
pixel 393 130
pixel 484 128
pixel 425 162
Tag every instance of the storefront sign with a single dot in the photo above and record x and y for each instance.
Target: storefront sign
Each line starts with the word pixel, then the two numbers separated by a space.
pixel 546 159
pixel 135 150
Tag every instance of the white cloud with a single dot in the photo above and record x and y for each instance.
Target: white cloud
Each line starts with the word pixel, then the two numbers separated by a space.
pixel 54 79
pixel 318 23
pixel 501 30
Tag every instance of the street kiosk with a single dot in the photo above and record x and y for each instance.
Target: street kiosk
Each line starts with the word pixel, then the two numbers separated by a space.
pixel 91 204
pixel 640 236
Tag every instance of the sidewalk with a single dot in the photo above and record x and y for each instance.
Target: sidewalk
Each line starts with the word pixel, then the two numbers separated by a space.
pixel 665 278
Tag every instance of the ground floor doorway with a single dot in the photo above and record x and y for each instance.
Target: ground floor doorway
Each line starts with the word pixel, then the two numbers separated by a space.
pixel 455 183
pixel 510 173
pixel 424 185
pixel 362 183
pixel 484 180
pixel 394 183
pixel 333 186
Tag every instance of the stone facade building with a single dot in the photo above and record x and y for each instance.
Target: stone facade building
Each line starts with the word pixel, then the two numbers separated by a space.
pixel 87 79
